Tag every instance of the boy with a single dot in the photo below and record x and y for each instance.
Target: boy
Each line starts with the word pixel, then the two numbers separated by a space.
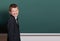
pixel 13 26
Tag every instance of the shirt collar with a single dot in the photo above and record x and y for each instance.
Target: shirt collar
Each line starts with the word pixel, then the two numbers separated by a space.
pixel 15 17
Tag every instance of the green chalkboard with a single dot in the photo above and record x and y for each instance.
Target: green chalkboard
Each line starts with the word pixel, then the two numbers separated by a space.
pixel 35 16
pixel 40 16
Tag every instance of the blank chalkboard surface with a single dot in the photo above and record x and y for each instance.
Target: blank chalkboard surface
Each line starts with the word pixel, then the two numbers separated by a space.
pixel 35 16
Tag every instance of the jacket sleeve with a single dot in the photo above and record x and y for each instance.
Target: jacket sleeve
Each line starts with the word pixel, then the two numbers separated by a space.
pixel 10 26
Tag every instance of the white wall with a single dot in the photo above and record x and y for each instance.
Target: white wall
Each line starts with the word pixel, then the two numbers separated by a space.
pixel 35 37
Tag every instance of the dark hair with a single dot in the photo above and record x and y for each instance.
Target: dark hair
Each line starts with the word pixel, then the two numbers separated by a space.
pixel 12 6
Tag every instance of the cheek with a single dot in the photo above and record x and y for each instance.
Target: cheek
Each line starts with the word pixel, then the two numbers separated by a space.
pixel 16 11
pixel 13 13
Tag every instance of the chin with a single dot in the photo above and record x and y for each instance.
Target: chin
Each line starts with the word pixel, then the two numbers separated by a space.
pixel 15 16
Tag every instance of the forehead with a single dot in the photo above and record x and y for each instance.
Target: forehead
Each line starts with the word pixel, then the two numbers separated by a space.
pixel 14 8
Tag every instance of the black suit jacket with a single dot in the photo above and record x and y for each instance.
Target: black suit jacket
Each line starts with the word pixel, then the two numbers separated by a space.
pixel 13 30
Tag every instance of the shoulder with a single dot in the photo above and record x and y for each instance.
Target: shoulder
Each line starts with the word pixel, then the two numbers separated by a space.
pixel 11 19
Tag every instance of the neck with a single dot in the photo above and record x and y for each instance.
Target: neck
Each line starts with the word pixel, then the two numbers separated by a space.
pixel 14 17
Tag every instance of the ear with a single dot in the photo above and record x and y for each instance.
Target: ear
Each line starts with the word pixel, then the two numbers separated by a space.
pixel 10 12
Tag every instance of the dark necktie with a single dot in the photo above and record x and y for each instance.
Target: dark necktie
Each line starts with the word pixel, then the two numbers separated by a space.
pixel 16 20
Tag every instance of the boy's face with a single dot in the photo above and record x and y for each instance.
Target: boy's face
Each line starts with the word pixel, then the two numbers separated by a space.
pixel 14 12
